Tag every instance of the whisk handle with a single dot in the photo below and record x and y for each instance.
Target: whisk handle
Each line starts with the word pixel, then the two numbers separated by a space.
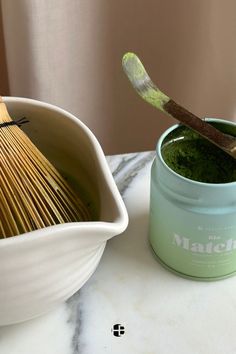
pixel 4 115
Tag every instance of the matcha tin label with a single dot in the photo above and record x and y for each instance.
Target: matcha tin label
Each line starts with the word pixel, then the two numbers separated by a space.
pixel 192 224
pixel 223 247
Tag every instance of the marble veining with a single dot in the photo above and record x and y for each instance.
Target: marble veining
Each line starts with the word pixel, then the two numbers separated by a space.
pixel 126 167
pixel 161 312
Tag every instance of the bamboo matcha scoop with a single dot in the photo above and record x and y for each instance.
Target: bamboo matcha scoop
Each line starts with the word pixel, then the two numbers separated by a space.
pixel 142 83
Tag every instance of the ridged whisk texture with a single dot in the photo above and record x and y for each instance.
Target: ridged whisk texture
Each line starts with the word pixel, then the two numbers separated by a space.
pixel 33 194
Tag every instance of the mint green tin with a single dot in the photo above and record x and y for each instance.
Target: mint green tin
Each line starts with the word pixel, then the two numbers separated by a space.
pixel 192 225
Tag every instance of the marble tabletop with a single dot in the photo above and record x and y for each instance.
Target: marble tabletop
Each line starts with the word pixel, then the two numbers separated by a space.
pixel 131 304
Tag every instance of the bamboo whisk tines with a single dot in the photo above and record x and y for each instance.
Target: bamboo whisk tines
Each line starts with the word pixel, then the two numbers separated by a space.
pixel 33 194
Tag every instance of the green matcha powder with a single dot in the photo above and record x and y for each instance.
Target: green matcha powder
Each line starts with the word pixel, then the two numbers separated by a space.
pixel 193 157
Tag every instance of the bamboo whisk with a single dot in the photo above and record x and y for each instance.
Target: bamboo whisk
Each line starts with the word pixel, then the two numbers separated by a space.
pixel 33 194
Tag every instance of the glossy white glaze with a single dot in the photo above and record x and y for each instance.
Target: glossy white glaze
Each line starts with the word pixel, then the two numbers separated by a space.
pixel 43 268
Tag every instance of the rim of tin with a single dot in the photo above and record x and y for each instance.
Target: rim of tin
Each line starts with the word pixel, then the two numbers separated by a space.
pixel 185 179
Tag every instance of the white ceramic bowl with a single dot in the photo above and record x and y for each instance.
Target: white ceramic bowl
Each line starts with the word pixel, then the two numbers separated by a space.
pixel 40 269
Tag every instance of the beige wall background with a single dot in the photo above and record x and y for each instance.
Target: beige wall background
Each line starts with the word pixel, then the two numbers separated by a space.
pixel 4 89
pixel 68 52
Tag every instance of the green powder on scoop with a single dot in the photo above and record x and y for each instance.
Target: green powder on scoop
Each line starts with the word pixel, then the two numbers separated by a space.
pixel 193 157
